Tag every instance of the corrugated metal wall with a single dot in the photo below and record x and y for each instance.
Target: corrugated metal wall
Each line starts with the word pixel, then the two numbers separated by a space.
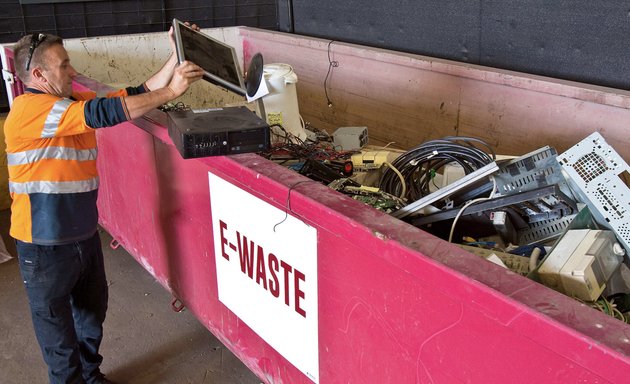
pixel 581 40
pixel 98 18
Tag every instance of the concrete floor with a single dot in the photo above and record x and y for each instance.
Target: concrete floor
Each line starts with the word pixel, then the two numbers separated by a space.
pixel 145 340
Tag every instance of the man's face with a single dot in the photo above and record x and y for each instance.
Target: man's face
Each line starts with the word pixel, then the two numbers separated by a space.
pixel 58 72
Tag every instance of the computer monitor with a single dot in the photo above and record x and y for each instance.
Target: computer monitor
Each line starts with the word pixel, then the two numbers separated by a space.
pixel 217 59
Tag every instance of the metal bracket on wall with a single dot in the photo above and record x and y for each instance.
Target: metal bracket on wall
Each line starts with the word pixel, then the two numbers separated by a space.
pixel 285 16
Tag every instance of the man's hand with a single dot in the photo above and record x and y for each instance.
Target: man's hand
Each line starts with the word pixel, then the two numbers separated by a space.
pixel 172 38
pixel 162 77
pixel 185 74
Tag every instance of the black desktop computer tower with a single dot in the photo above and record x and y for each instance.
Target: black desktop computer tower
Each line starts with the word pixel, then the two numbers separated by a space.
pixel 217 131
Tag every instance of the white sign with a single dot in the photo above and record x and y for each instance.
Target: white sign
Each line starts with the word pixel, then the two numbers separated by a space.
pixel 267 272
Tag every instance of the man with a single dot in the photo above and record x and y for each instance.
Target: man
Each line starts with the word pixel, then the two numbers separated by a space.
pixel 51 150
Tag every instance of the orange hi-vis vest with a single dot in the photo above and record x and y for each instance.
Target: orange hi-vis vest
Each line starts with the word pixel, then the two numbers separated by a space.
pixel 51 156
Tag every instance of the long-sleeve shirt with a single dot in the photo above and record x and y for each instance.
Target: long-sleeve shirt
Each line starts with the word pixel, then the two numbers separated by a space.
pixel 51 153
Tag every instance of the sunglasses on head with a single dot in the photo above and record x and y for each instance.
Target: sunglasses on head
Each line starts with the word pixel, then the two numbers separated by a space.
pixel 36 40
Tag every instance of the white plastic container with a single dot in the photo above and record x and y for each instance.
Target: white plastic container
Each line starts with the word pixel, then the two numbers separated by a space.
pixel 281 104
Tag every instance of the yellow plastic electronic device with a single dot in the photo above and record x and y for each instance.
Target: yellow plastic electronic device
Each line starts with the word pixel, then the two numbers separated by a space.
pixel 369 160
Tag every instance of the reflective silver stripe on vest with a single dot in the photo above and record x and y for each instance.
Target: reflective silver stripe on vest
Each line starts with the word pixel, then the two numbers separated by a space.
pixel 54 186
pixel 58 153
pixel 54 116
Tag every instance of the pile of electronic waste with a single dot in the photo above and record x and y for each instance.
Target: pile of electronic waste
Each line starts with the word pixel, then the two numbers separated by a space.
pixel 560 219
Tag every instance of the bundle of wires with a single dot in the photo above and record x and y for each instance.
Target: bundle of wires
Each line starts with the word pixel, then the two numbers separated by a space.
pixel 288 146
pixel 174 107
pixel 410 175
pixel 609 307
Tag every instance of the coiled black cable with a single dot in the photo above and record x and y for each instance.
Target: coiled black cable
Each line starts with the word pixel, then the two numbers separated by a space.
pixel 419 165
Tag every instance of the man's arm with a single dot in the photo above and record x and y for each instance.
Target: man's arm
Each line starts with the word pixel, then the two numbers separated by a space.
pixel 184 74
pixel 106 112
pixel 162 77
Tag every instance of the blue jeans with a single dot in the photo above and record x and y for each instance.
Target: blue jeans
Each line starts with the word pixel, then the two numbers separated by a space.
pixel 67 292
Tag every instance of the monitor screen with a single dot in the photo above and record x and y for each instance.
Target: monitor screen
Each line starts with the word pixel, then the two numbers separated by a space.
pixel 217 59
